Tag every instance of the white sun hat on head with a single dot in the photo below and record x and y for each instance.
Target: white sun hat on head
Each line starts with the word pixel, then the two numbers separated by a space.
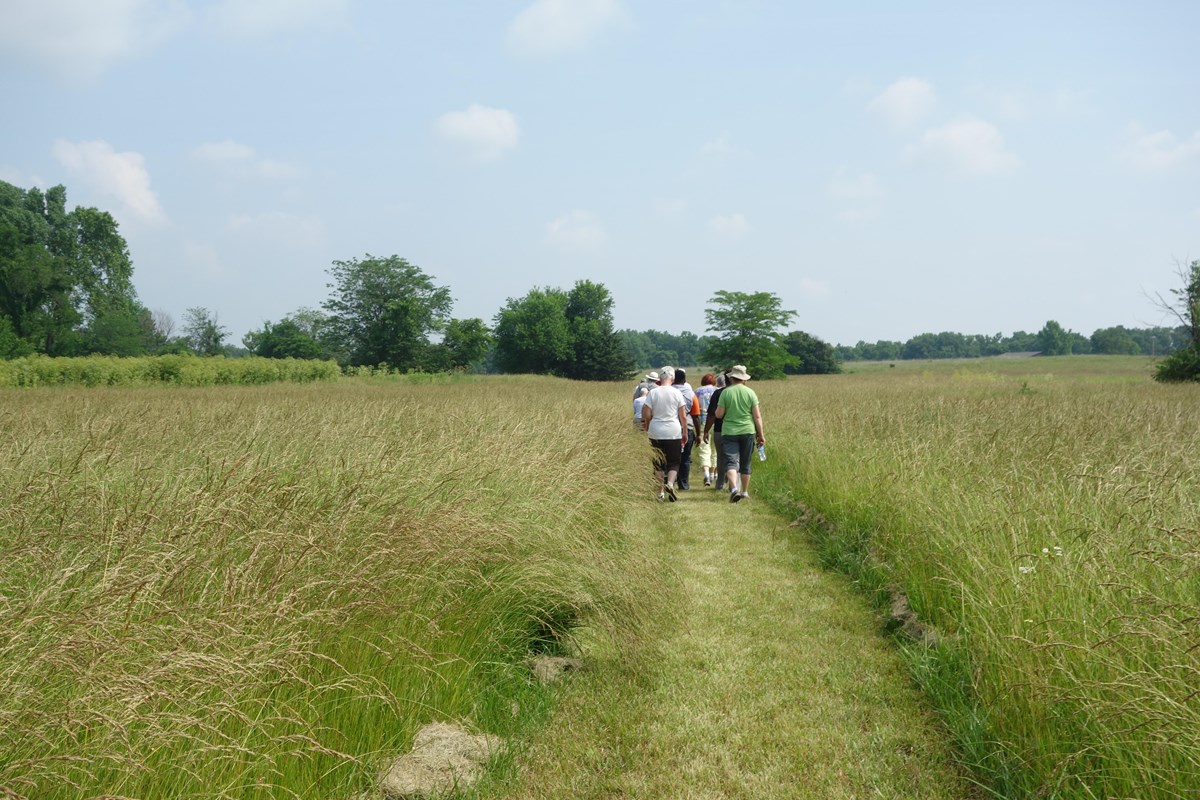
pixel 739 372
pixel 653 376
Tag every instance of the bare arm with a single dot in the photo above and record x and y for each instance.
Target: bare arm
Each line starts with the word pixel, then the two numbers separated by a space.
pixel 647 415
pixel 683 424
pixel 758 426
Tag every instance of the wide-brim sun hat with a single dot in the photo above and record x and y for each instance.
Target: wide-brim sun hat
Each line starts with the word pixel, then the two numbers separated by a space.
pixel 739 372
pixel 653 376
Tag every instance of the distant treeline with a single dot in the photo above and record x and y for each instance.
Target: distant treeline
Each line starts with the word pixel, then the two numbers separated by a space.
pixel 1051 340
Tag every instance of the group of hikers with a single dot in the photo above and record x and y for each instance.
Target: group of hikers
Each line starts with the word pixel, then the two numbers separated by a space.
pixel 721 420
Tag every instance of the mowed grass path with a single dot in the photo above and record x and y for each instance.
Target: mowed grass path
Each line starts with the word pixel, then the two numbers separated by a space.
pixel 764 677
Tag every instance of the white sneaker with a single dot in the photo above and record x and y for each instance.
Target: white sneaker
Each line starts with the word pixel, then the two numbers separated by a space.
pixel 662 496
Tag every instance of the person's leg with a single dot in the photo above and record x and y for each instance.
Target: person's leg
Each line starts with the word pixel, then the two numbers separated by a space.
pixel 674 452
pixel 731 447
pixel 745 459
pixel 658 456
pixel 685 464
pixel 706 460
pixel 720 451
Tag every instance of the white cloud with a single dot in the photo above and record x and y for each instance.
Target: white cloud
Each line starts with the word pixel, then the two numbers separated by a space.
pixel 905 103
pixel 255 19
pixel 482 133
pixel 580 231
pixel 731 226
pixel 121 176
pixel 242 157
pixel 77 40
pixel 280 228
pixel 1162 151
pixel 553 27
pixel 968 146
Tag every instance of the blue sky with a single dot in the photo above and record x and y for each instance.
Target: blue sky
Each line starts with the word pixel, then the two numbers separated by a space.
pixel 886 169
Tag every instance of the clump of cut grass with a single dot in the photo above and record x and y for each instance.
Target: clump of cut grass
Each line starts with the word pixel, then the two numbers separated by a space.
pixel 1052 535
pixel 262 592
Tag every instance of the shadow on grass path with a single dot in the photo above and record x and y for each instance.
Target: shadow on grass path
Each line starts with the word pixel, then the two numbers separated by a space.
pixel 765 677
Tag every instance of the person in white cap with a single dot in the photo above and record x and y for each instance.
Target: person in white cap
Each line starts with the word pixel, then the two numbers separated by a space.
pixel 741 429
pixel 647 383
pixel 664 419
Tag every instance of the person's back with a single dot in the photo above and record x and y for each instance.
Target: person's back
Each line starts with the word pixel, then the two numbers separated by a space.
pixel 739 401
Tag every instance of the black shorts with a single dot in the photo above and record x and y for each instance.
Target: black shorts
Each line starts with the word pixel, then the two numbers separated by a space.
pixel 667 453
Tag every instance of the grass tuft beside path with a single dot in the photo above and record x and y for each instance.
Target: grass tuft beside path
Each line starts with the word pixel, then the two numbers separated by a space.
pixel 762 677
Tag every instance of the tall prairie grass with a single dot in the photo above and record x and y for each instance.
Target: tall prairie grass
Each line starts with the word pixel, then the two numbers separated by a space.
pixel 1044 515
pixel 260 592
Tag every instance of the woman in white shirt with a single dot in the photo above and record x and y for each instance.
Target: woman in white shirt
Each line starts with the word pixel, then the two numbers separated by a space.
pixel 664 419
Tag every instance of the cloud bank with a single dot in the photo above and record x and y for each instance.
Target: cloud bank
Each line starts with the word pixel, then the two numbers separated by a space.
pixel 121 176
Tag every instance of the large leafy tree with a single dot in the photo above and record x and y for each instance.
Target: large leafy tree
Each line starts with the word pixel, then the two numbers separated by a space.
pixel 1054 340
pixel 383 311
pixel 65 276
pixel 569 334
pixel 599 353
pixel 813 356
pixel 747 332
pixel 532 333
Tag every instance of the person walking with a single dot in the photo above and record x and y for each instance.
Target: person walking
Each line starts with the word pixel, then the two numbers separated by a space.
pixel 647 383
pixel 664 419
pixel 693 416
pixel 638 402
pixel 713 424
pixel 703 445
pixel 742 428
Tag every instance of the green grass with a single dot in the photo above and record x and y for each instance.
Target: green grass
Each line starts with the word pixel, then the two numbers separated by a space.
pixel 1043 514
pixel 763 676
pixel 263 592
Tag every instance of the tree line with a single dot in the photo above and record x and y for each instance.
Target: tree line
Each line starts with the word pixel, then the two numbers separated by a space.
pixel 66 289
pixel 1052 339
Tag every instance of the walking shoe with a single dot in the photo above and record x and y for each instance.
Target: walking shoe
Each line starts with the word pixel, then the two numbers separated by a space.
pixel 661 497
pixel 734 495
pixel 671 492
pixel 707 482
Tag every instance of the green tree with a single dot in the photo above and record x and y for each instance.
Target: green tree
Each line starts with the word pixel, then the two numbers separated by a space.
pixel 532 333
pixel 813 356
pixel 599 353
pixel 283 339
pixel 383 311
pixel 203 334
pixel 65 276
pixel 468 342
pixel 1054 340
pixel 747 332
pixel 1184 364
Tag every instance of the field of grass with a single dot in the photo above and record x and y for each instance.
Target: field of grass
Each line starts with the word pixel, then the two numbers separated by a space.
pixel 262 591
pixel 1044 515
pixel 254 592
